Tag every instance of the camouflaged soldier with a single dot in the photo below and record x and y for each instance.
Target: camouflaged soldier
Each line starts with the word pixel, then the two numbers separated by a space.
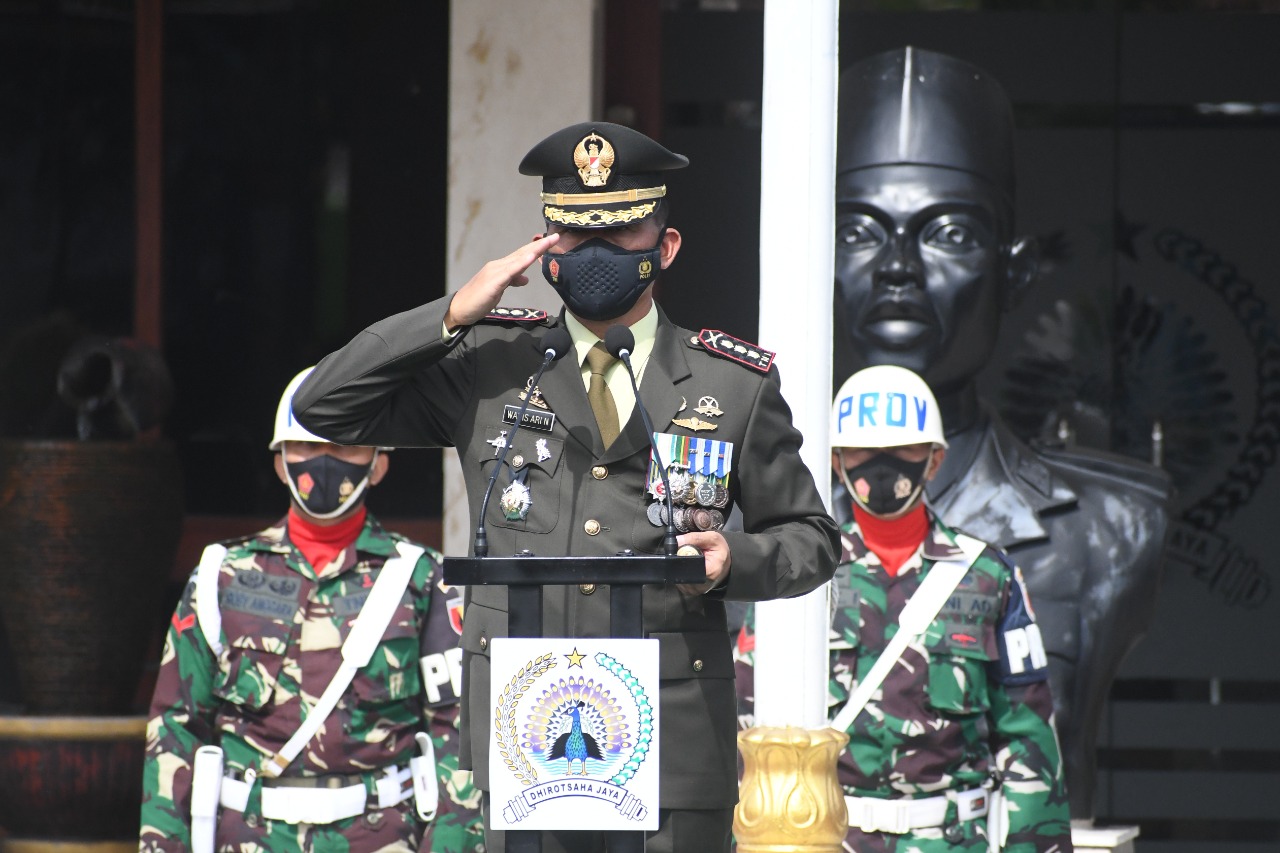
pixel 955 748
pixel 261 632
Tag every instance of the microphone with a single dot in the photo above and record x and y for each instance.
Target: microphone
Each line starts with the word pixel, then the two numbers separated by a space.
pixel 619 341
pixel 555 345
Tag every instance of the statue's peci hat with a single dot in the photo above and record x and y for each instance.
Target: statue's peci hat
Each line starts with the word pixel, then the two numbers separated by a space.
pixel 916 107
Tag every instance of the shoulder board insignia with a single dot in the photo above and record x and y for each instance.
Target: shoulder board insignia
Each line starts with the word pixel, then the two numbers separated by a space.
pixel 518 315
pixel 747 354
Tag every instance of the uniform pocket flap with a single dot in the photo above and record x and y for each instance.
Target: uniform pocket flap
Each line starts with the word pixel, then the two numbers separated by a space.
pixel 694 654
pixel 480 625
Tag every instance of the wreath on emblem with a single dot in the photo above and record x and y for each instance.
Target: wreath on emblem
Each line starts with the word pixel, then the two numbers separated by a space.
pixel 505 722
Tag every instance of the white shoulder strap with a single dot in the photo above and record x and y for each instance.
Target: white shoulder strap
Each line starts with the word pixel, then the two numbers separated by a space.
pixel 207 610
pixel 358 649
pixel 916 616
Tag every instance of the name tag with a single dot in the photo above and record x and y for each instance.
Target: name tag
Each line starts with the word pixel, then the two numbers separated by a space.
pixel 544 421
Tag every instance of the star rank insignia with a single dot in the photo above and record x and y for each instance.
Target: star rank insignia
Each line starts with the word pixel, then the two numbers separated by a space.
pixel 747 354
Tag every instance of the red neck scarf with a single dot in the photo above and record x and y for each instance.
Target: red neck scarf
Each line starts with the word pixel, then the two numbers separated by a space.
pixel 320 543
pixel 893 540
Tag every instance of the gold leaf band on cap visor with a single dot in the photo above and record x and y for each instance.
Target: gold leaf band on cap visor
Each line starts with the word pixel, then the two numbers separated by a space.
pixel 604 198
pixel 598 217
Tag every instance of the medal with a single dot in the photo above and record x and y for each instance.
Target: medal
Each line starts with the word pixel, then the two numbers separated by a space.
pixel 708 519
pixel 705 494
pixel 515 501
pixel 680 483
pixel 655 513
pixel 656 489
pixel 682 520
pixel 721 500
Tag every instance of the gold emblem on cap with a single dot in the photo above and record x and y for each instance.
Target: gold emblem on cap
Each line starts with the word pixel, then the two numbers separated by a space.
pixel 594 159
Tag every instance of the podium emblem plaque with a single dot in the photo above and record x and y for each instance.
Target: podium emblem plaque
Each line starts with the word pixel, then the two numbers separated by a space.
pixel 573 738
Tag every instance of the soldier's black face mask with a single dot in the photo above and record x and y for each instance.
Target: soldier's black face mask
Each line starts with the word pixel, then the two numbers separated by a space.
pixel 601 281
pixel 326 487
pixel 885 485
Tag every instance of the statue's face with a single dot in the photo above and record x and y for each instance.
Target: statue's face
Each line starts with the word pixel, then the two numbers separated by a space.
pixel 919 269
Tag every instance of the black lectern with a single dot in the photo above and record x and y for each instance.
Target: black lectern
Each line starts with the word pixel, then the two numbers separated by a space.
pixel 525 576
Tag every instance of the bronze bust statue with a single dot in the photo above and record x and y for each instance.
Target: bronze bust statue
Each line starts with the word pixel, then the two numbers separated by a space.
pixel 927 261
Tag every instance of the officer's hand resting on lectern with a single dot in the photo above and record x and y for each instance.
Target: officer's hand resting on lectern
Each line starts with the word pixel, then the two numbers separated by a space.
pixel 715 550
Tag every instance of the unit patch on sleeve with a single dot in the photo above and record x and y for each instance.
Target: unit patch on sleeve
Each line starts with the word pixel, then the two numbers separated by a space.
pixel 735 349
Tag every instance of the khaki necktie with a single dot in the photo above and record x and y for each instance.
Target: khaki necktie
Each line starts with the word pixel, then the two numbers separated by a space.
pixel 599 395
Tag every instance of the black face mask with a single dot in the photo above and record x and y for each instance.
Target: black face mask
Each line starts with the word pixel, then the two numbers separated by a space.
pixel 326 487
pixel 600 281
pixel 885 485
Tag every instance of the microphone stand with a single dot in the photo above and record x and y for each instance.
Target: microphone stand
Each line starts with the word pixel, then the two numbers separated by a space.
pixel 669 544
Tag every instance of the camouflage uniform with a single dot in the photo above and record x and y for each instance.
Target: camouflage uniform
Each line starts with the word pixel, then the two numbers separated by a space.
pixel 955 713
pixel 275 607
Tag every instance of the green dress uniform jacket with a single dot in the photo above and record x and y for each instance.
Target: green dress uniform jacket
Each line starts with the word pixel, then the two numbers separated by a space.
pixel 400 384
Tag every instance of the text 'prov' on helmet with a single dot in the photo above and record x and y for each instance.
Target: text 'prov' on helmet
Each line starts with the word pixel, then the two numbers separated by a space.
pixel 885 406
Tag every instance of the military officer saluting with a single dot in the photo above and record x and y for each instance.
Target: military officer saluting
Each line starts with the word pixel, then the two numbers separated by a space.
pixel 580 478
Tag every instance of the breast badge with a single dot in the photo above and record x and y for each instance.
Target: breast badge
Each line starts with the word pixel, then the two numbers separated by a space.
pixel 516 500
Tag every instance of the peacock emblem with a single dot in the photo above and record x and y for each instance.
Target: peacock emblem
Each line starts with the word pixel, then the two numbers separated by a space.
pixel 574 721
pixel 575 744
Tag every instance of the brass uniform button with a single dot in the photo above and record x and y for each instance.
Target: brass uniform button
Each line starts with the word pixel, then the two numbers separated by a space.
pixel 517 461
pixel 697 666
pixel 599 472
pixel 592 527
pixel 484 643
pixel 586 588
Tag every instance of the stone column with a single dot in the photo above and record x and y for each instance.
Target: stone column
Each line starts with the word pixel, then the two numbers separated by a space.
pixel 517 72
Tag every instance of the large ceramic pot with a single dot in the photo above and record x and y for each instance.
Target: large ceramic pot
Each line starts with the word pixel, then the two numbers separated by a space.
pixel 87 536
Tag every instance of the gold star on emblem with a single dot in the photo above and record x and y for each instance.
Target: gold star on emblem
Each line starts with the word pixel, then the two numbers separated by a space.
pixel 575 659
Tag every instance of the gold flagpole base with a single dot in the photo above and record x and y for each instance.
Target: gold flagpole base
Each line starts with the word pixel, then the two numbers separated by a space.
pixel 790 800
